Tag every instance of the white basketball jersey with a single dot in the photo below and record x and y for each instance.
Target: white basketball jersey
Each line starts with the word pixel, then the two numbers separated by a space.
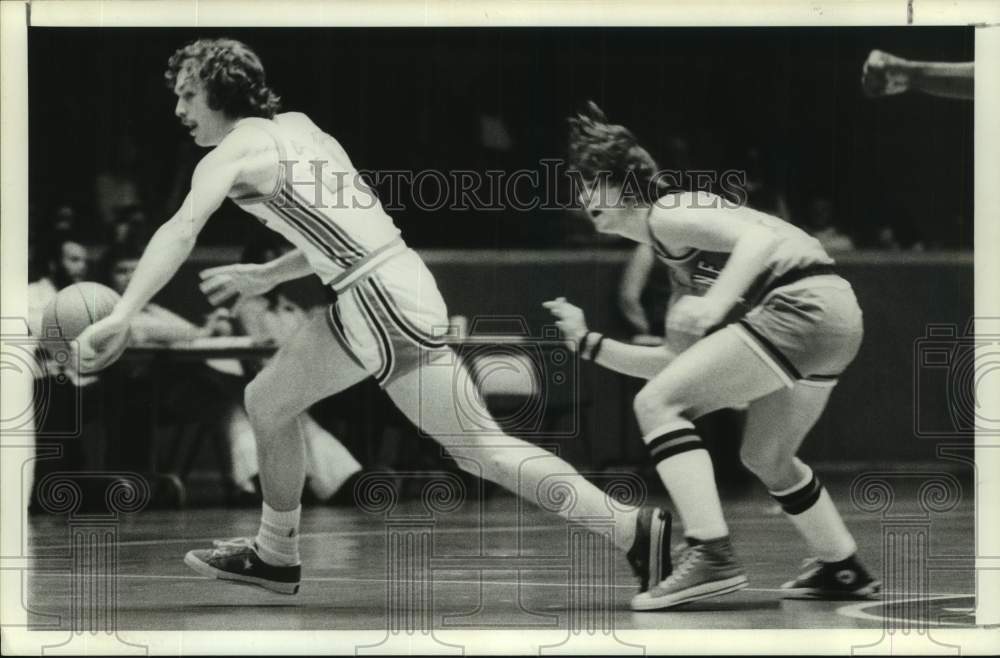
pixel 320 204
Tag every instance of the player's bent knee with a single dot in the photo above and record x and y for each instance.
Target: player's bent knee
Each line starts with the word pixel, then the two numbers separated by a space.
pixel 768 466
pixel 262 405
pixel 655 406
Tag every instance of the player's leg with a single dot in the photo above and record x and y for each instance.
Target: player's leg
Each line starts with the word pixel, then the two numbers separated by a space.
pixel 720 370
pixel 313 365
pixel 429 396
pixel 776 426
pixel 329 464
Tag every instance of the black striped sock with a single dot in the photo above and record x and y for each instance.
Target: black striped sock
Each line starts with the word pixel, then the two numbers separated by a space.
pixel 798 501
pixel 669 444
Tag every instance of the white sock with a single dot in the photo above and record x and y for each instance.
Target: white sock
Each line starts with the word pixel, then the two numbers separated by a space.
pixel 811 510
pixel 686 470
pixel 278 538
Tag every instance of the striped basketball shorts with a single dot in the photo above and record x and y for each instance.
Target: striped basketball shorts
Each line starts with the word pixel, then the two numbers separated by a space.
pixel 391 318
pixel 808 331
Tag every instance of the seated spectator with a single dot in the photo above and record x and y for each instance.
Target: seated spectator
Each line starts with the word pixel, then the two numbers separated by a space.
pixel 64 258
pixel 821 225
pixel 64 413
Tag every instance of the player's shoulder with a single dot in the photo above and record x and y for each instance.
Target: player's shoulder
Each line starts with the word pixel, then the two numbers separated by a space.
pixel 247 139
pixel 294 119
pixel 677 208
pixel 249 136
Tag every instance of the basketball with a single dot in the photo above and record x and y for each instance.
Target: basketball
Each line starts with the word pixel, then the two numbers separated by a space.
pixel 75 308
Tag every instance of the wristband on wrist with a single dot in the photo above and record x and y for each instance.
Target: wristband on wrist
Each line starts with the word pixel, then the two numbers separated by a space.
pixel 597 348
pixel 589 342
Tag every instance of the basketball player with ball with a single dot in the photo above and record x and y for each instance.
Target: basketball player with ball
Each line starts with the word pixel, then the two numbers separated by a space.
pixel 757 315
pixel 289 174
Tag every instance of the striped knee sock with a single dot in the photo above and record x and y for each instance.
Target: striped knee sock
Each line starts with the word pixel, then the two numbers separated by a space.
pixel 278 538
pixel 811 510
pixel 686 470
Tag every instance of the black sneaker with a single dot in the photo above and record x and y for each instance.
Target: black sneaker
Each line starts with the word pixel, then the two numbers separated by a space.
pixel 846 579
pixel 237 560
pixel 704 570
pixel 650 552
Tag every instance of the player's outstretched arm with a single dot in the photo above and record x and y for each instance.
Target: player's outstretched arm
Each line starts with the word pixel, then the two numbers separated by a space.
pixel 634 360
pixel 173 241
pixel 884 74
pixel 167 250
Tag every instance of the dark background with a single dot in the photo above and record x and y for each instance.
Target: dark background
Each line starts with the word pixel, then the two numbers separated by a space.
pixel 411 98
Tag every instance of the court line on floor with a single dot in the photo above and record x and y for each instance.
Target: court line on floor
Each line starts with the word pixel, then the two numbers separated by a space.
pixel 857 611
pixel 316 535
pixel 440 581
pixel 436 531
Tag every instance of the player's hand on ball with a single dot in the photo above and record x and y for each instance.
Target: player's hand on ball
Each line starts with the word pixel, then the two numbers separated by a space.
pixel 241 280
pixel 884 74
pixel 101 343
pixel 694 315
pixel 569 319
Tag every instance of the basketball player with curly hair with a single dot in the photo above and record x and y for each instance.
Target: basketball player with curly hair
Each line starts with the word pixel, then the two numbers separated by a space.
pixel 757 315
pixel 296 179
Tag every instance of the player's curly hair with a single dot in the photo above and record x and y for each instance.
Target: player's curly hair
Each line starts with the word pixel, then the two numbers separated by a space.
pixel 232 74
pixel 599 149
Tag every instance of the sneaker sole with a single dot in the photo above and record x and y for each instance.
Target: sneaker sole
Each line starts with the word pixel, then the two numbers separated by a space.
pixel 696 593
pixel 867 592
pixel 205 569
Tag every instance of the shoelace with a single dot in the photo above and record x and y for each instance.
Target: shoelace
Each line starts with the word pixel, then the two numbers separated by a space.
pixel 688 560
pixel 227 546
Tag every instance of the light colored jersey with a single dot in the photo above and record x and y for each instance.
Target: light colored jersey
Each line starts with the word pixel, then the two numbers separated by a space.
pixel 695 271
pixel 320 204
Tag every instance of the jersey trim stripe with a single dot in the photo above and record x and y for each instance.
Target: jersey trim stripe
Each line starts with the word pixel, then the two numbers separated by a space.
pixel 337 329
pixel 299 201
pixel 770 354
pixel 347 279
pixel 375 326
pixel 295 223
pixel 786 378
pixel 320 224
pixel 399 319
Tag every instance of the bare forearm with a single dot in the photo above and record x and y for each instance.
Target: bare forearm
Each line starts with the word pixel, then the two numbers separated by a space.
pixel 161 330
pixel 640 361
pixel 949 79
pixel 166 252
pixel 288 267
